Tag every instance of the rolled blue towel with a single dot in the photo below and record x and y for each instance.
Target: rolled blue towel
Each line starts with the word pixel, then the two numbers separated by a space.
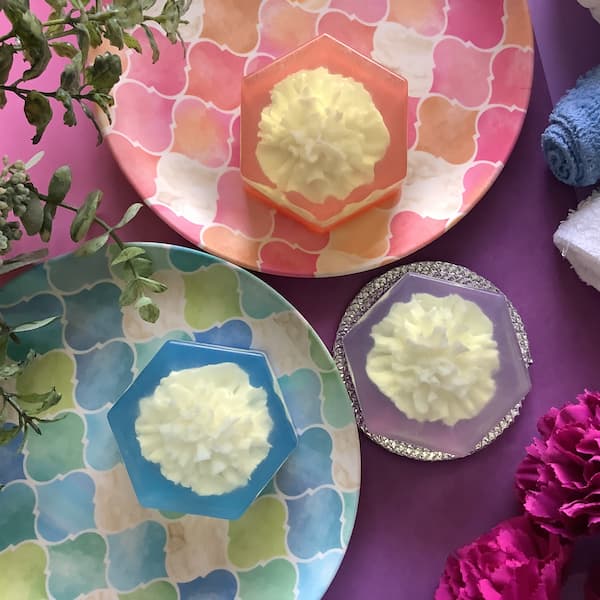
pixel 571 142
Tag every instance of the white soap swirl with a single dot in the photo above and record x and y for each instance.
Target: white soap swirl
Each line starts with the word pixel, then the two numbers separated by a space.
pixel 207 428
pixel 435 358
pixel 321 135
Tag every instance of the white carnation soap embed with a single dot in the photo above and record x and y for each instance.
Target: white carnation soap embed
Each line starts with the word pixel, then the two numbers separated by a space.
pixel 206 427
pixel 435 358
pixel 321 135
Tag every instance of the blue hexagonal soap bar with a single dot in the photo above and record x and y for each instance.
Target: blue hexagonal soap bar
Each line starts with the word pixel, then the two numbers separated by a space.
pixel 152 487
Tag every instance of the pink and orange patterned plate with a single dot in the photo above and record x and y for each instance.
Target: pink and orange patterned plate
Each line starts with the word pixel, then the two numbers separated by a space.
pixel 176 123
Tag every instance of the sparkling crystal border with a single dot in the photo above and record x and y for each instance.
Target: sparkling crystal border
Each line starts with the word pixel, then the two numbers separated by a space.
pixel 363 301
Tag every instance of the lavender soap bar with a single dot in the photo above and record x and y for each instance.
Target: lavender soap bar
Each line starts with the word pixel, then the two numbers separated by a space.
pixel 436 364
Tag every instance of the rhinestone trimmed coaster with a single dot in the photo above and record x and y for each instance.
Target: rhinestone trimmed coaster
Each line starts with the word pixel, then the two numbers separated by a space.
pixel 368 296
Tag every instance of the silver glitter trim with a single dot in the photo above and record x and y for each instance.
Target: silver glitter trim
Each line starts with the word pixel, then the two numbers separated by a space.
pixel 363 301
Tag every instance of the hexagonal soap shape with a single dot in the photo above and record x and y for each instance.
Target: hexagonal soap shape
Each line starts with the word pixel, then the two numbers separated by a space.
pixel 436 364
pixel 152 489
pixel 323 133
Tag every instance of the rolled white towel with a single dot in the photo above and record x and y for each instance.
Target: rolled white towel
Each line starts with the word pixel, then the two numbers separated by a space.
pixel 578 240
pixel 594 6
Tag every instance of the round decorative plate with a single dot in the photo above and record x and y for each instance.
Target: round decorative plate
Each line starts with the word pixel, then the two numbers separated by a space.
pixel 469 71
pixel 70 525
pixel 368 296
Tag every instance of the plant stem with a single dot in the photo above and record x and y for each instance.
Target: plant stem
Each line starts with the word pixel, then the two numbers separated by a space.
pixel 59 34
pixel 23 416
pixel 22 92
pixel 106 228
pixel 100 15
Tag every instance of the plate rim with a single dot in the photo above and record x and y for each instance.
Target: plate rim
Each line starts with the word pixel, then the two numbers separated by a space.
pixel 42 267
pixel 364 266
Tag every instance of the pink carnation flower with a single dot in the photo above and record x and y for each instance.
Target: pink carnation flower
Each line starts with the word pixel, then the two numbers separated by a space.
pixel 559 479
pixel 515 560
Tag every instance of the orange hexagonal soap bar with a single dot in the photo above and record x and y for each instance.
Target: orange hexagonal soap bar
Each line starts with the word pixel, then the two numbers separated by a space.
pixel 323 133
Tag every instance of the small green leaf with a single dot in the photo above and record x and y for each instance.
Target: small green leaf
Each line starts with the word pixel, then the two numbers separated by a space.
pixel 149 312
pixel 152 41
pixel 32 325
pixel 64 49
pixel 83 41
pixel 28 28
pixel 114 33
pixel 127 254
pixel 6 61
pixel 104 72
pixel 58 27
pixel 104 101
pixel 33 218
pixel 60 184
pixel 64 98
pixel 143 266
pixel 38 113
pixel 170 17
pixel 85 216
pixel 70 78
pixel 142 301
pixel 130 13
pixel 92 246
pixel 8 434
pixel 9 370
pixel 35 404
pixel 95 34
pixel 155 286
pixel 130 214
pixel 132 42
pixel 46 230
pixel 131 292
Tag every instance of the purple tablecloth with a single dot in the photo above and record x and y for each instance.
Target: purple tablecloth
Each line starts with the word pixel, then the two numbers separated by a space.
pixel 411 515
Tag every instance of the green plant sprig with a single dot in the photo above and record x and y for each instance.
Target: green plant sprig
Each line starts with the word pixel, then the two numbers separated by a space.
pixel 81 83
pixel 26 407
pixel 34 212
pixel 23 207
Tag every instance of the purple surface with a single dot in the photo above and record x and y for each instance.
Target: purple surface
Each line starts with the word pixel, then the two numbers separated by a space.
pixel 567 37
pixel 411 515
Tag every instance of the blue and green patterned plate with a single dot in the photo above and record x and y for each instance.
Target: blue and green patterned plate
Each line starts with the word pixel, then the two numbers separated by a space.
pixel 70 525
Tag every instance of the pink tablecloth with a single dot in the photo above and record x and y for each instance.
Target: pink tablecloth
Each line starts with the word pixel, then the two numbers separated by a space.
pixel 411 515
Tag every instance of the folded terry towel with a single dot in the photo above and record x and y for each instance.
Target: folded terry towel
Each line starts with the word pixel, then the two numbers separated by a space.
pixel 578 241
pixel 571 142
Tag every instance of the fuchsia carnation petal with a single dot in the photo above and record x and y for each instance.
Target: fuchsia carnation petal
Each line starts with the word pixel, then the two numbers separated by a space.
pixel 559 479
pixel 515 560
